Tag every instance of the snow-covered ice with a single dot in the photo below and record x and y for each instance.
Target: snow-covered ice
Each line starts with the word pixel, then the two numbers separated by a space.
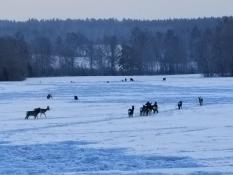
pixel 95 136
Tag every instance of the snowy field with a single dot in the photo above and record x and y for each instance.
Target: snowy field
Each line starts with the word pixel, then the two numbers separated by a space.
pixel 95 136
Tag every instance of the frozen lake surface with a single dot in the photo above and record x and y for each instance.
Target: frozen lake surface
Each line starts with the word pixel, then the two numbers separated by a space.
pixel 95 136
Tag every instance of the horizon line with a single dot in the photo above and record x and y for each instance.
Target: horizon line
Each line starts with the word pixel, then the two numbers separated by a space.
pixel 116 19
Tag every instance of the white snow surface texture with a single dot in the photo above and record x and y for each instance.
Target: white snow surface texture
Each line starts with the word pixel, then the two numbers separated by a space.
pixel 94 135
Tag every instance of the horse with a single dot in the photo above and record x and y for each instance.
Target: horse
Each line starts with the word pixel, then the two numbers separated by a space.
pixel 131 111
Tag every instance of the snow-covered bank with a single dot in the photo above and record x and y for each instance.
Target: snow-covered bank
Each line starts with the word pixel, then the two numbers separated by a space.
pixel 95 136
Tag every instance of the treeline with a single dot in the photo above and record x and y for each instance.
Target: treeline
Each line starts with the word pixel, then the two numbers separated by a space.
pixel 214 49
pixel 111 47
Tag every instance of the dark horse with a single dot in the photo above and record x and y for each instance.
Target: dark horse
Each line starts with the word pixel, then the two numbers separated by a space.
pixel 131 111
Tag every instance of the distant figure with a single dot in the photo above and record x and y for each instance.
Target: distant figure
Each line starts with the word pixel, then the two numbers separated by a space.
pixel 131 111
pixel 180 103
pixel 200 99
pixel 107 82
pixel 125 79
pixel 143 111
pixel 43 111
pixel 164 78
pixel 155 108
pixel 75 97
pixel 49 96
pixel 131 79
pixel 149 108
pixel 33 113
pixel 148 104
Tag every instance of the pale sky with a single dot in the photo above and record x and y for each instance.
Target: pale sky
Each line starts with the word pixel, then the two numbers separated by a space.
pixel 137 9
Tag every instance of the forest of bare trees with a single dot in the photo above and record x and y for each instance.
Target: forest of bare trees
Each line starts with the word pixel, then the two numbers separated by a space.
pixel 111 47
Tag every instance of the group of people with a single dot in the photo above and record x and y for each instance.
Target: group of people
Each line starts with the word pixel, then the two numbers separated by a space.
pixel 49 96
pixel 148 108
pixel 125 80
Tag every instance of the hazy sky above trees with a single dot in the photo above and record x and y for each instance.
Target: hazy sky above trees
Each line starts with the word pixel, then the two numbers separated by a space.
pixel 140 9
